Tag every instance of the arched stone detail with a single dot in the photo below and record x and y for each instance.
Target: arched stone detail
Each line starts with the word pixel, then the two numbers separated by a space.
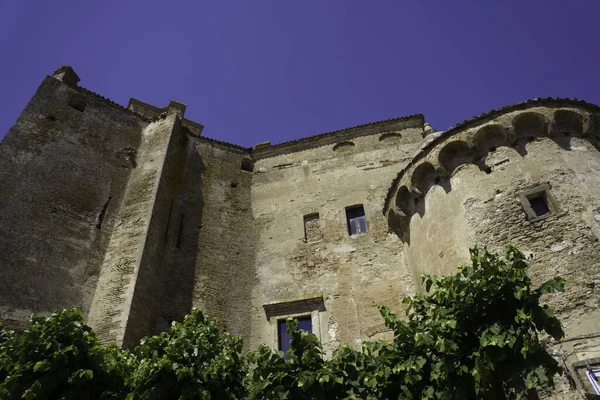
pixel 455 154
pixel 423 177
pixel 404 201
pixel 528 125
pixel 490 137
pixel 390 137
pixel 591 124
pixel 400 225
pixel 343 146
pixel 568 122
pixel 247 165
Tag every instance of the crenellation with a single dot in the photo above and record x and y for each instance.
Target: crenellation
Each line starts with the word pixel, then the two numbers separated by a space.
pixel 134 217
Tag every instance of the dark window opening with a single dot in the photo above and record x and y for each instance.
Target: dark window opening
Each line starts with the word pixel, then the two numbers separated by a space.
pixel 538 202
pixel 567 133
pixel 77 102
pixel 283 338
pixel 531 138
pixel 488 170
pixel 539 205
pixel 437 179
pixel 247 165
pixel 492 149
pixel 312 228
pixel 357 221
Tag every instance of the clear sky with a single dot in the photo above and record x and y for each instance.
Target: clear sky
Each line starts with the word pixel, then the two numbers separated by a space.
pixel 253 70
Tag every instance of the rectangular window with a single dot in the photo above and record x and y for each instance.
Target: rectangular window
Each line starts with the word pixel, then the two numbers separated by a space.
pixel 357 221
pixel 594 377
pixel 539 205
pixel 312 228
pixel 284 338
pixel 538 202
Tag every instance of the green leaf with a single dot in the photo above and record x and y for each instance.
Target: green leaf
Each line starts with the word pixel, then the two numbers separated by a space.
pixel 41 366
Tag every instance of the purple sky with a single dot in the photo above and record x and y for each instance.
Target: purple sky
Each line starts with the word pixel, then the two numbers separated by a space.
pixel 278 70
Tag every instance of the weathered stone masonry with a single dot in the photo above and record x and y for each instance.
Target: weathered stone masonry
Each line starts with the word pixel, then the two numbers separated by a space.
pixel 134 217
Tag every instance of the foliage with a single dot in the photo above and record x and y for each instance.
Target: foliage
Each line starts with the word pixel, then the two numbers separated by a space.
pixel 193 361
pixel 474 335
pixel 58 357
pixel 471 335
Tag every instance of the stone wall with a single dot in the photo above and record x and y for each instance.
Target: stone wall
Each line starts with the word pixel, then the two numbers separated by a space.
pixel 63 173
pixel 121 310
pixel 471 187
pixel 225 234
pixel 134 205
pixel 351 274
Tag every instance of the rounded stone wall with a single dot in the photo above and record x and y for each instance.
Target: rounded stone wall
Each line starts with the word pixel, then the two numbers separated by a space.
pixel 526 174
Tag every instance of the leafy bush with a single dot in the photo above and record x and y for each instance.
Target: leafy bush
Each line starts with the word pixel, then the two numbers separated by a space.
pixel 472 335
pixel 59 357
pixel 193 361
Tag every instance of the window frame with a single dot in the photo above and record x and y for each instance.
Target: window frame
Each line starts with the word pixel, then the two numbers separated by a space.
pixel 540 191
pixel 301 307
pixel 594 380
pixel 309 218
pixel 356 220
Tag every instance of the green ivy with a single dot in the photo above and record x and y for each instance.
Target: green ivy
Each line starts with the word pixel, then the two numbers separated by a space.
pixel 472 335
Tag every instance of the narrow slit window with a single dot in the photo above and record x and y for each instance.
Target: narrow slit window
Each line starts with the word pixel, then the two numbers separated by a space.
pixel 312 228
pixel 284 339
pixel 356 219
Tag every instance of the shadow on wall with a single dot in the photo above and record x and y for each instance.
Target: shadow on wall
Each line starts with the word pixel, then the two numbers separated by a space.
pixel 524 128
pixel 182 238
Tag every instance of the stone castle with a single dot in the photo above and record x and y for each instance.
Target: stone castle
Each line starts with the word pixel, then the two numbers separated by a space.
pixel 133 216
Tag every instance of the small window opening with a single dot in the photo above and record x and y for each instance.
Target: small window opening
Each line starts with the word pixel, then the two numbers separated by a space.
pixel 538 202
pixel 283 338
pixel 77 102
pixel 539 205
pixel 312 228
pixel 492 149
pixel 357 221
pixel 488 170
pixel 247 165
